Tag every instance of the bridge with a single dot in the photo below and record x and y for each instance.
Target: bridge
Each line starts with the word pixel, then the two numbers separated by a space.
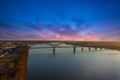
pixel 14 54
pixel 106 44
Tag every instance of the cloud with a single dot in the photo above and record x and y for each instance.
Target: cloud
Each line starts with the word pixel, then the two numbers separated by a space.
pixel 36 26
pixel 40 31
pixel 11 32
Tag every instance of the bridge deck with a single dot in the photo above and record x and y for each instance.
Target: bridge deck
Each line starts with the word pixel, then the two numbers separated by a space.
pixel 52 47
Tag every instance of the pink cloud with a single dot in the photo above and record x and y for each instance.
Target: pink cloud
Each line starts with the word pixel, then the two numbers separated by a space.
pixel 117 31
pixel 50 32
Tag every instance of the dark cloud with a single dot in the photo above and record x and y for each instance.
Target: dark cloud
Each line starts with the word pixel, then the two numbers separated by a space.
pixel 36 26
pixel 8 31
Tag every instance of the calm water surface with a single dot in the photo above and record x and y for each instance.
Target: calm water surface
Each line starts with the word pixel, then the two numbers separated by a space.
pixel 64 65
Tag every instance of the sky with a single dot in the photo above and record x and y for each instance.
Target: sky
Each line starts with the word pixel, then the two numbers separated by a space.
pixel 72 20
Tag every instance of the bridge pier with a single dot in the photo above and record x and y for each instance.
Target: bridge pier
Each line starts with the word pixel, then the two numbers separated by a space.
pixel 54 50
pixel 74 49
pixel 95 48
pixel 100 48
pixel 89 49
pixel 82 49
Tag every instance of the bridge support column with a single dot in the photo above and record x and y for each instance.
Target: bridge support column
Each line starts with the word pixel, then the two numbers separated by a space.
pixel 53 50
pixel 74 49
pixel 100 48
pixel 95 48
pixel 82 49
pixel 89 48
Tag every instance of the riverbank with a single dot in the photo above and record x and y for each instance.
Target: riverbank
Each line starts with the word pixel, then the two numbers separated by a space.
pixel 107 45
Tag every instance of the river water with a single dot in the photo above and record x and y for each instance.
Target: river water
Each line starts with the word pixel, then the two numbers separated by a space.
pixel 65 65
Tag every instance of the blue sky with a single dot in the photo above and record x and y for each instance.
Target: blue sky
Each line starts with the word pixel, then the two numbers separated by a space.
pixel 60 19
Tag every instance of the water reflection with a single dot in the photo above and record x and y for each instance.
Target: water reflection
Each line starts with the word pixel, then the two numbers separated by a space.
pixel 66 65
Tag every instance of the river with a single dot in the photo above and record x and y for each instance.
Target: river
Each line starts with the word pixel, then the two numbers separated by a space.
pixel 65 65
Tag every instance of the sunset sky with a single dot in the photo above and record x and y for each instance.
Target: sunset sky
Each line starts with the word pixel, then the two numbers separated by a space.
pixel 79 20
